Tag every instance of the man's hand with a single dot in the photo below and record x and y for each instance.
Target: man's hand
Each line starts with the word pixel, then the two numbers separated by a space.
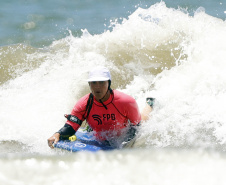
pixel 53 140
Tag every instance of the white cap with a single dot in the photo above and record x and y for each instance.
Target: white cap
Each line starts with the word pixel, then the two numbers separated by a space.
pixel 99 74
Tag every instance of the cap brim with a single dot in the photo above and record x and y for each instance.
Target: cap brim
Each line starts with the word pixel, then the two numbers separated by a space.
pixel 98 79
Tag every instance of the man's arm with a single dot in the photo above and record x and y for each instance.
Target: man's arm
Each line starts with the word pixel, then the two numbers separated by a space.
pixel 147 109
pixel 65 132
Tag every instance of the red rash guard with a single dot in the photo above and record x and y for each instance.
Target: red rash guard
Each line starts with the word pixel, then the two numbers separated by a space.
pixel 122 111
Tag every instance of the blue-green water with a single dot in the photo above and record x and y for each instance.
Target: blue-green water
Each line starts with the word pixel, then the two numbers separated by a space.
pixel 39 22
pixel 173 51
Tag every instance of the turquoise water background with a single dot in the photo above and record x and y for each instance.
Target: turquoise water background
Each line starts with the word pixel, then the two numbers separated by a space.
pixel 39 22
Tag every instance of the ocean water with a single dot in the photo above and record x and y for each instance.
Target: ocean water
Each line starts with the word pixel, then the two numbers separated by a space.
pixel 171 50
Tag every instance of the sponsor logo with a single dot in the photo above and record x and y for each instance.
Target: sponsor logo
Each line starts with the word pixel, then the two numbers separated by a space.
pixel 81 145
pixel 73 119
pixel 97 118
pixel 106 117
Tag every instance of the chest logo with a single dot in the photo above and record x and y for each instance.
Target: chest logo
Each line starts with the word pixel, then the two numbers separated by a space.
pixel 97 118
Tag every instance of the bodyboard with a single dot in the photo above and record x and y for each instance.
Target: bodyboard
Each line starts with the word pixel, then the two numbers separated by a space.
pixel 85 142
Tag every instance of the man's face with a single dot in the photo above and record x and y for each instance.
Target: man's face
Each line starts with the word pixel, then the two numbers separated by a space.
pixel 99 88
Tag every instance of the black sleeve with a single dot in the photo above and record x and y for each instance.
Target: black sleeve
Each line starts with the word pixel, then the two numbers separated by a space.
pixel 66 131
pixel 132 132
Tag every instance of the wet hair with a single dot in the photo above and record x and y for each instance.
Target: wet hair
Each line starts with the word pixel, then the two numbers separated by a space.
pixel 109 84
